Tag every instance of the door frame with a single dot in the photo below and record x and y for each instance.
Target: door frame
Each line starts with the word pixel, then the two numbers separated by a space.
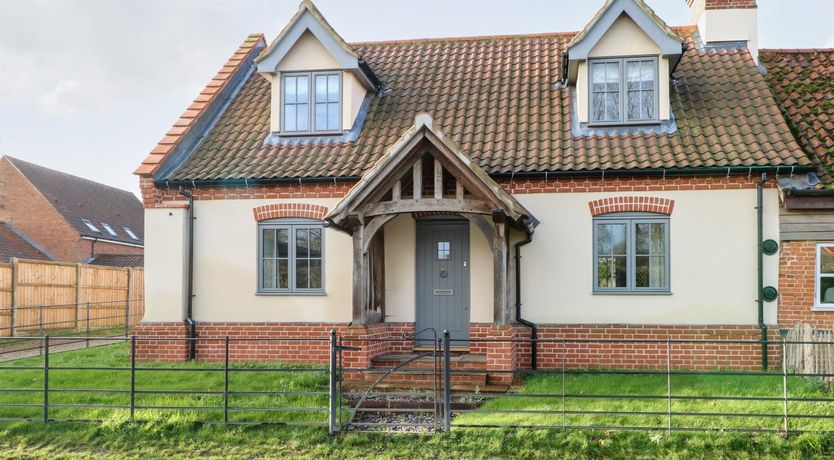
pixel 441 220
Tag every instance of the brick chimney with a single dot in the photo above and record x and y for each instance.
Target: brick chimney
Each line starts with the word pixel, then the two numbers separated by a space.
pixel 727 24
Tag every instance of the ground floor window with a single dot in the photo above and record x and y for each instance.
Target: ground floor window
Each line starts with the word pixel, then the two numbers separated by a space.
pixel 290 256
pixel 825 276
pixel 631 253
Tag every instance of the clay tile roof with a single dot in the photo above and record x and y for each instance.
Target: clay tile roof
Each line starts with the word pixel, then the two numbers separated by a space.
pixel 803 83
pixel 498 99
pixel 15 244
pixel 118 260
pixel 77 199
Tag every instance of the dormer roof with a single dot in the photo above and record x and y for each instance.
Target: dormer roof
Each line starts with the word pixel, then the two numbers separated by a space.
pixel 309 18
pixel 664 36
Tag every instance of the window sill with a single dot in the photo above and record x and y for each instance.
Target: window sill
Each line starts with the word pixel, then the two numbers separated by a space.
pixel 618 124
pixel 290 294
pixel 290 134
pixel 631 293
pixel 821 308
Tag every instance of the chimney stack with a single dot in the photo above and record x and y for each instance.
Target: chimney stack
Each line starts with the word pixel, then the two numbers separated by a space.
pixel 727 24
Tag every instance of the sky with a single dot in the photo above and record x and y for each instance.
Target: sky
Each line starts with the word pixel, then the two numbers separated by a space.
pixel 89 87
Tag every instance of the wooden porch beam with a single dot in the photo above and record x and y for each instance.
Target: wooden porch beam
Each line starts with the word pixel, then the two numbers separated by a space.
pixel 397 191
pixel 429 205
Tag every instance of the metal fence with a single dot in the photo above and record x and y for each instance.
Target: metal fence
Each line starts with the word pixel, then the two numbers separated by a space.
pixel 418 391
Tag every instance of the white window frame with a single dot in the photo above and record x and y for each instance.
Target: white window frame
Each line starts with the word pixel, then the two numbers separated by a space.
pixel 623 92
pixel 818 305
pixel 130 233
pixel 109 229
pixel 90 225
pixel 630 220
pixel 291 225
pixel 311 103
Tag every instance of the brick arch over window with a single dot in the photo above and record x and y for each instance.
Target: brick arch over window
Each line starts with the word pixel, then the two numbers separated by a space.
pixel 285 210
pixel 632 204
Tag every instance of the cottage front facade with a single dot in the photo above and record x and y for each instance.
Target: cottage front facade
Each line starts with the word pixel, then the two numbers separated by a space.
pixel 612 183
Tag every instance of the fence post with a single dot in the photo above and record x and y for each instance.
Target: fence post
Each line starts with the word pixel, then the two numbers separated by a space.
pixel 669 381
pixel 45 341
pixel 132 376
pixel 77 296
pixel 784 389
pixel 88 325
pixel 226 382
pixel 332 407
pixel 127 317
pixel 447 382
pixel 564 365
pixel 14 296
pixel 40 327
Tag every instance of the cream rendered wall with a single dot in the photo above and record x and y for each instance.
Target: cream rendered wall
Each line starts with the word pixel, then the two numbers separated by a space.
pixel 712 256
pixel 308 54
pixel 166 244
pixel 624 38
pixel 225 274
pixel 401 272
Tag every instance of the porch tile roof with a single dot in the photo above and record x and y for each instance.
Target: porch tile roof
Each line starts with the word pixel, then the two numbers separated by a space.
pixel 803 82
pixel 498 99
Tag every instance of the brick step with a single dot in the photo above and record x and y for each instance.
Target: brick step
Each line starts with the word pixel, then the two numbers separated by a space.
pixel 361 385
pixel 459 362
pixel 423 375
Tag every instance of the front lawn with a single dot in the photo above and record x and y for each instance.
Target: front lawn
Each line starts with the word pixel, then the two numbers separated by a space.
pixel 167 433
pixel 582 408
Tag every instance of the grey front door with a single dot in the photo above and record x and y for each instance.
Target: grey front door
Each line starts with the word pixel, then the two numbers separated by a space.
pixel 443 278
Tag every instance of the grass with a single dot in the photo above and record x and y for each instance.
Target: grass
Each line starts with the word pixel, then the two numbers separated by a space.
pixel 689 410
pixel 158 433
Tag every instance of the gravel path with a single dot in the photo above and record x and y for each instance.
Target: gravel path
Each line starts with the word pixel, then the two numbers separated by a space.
pixel 30 348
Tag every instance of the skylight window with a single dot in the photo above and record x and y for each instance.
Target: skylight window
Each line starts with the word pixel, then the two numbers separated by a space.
pixel 90 225
pixel 130 233
pixel 109 229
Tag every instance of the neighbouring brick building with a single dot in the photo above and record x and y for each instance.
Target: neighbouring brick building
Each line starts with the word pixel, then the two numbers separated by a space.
pixel 68 218
pixel 598 185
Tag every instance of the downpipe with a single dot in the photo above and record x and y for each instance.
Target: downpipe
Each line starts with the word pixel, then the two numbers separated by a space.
pixel 189 310
pixel 534 330
pixel 760 263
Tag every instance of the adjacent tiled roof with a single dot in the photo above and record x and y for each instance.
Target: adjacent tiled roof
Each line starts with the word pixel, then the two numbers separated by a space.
pixel 118 260
pixel 803 82
pixel 15 244
pixel 77 199
pixel 498 99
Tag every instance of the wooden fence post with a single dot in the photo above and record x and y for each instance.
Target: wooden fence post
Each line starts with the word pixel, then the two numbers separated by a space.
pixel 14 296
pixel 77 296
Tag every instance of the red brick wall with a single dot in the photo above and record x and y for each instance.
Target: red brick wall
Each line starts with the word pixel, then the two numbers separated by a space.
pixel 797 286
pixel 723 4
pixel 154 196
pixel 29 212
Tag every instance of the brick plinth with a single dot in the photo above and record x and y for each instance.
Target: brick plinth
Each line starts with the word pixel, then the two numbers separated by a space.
pixel 151 346
pixel 797 285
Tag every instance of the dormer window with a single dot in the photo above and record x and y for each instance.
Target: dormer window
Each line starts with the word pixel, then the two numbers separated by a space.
pixel 320 90
pixel 623 91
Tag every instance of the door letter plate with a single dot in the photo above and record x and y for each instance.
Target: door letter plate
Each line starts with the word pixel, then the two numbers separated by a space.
pixel 444 292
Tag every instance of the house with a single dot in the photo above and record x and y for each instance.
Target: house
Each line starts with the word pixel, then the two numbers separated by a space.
pixel 65 217
pixel 611 183
pixel 14 244
pixel 803 83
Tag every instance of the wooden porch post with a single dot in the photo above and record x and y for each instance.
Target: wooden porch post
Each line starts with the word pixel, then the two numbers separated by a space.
pixel 359 276
pixel 501 310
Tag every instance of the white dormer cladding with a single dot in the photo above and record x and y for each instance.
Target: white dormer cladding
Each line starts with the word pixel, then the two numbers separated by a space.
pixel 313 72
pixel 623 57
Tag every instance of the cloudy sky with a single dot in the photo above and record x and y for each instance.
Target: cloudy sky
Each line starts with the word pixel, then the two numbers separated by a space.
pixel 89 86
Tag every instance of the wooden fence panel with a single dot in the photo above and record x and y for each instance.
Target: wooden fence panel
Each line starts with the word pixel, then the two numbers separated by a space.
pixel 53 296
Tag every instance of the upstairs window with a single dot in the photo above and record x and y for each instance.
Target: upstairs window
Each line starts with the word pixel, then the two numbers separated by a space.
pixel 130 233
pixel 109 229
pixel 320 90
pixel 631 253
pixel 90 225
pixel 623 91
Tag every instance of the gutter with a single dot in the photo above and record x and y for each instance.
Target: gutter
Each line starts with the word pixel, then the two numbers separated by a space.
pixel 534 330
pixel 189 320
pixel 104 240
pixel 821 193
pixel 760 263
pixel 250 182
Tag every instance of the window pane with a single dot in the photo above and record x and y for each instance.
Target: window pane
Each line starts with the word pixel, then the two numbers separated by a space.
pixel 598 75
pixel 647 74
pixel 599 106
pixel 633 75
pixel 826 286
pixel 301 243
pixel 641 238
pixel 650 272
pixel 303 117
pixel 321 88
pixel 633 105
pixel 321 117
pixel 284 274
pixel 268 281
pixel 333 88
pixel 443 250
pixel 290 90
pixel 647 104
pixel 268 243
pixel 289 118
pixel 827 259
pixel 333 116
pixel 612 75
pixel 612 106
pixel 302 89
pixel 301 272
pixel 315 242
pixel 658 239
pixel 315 273
pixel 283 242
pixel 611 272
pixel 611 239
